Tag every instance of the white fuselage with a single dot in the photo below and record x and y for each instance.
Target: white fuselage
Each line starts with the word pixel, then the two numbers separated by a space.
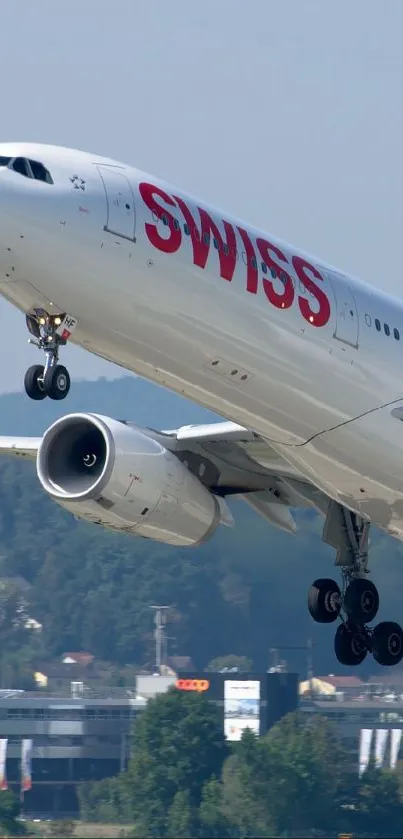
pixel 224 314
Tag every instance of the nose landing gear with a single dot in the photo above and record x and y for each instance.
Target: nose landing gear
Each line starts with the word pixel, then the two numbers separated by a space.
pixel 50 332
pixel 357 602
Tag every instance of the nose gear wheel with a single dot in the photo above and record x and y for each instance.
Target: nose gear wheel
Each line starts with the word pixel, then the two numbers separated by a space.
pixel 33 382
pixel 57 382
pixel 50 332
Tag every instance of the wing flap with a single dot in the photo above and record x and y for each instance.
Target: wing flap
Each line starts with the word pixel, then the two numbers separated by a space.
pixel 213 432
pixel 277 514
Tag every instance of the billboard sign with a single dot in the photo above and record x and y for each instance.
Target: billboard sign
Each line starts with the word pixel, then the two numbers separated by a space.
pixel 241 707
pixel 199 685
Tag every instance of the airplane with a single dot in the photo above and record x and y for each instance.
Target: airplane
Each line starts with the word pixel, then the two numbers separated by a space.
pixel 302 361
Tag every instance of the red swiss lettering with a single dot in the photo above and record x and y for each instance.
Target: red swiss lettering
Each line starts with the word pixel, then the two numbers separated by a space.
pixel 251 274
pixel 321 317
pixel 286 299
pixel 201 240
pixel 172 242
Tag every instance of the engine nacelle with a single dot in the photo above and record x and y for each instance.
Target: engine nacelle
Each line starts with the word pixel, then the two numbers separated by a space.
pixel 107 472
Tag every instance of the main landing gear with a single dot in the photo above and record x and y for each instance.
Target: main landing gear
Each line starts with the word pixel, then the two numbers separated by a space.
pixel 356 601
pixel 50 332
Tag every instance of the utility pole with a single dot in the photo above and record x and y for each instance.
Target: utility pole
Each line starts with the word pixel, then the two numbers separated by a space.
pixel 160 640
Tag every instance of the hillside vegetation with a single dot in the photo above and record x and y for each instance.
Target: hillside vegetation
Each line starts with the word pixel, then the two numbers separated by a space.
pixel 242 593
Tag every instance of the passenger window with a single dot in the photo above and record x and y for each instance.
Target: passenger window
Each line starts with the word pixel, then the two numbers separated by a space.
pixel 164 219
pixel 253 261
pixel 40 173
pixel 206 238
pixel 186 229
pixel 20 165
pixel 4 161
pixel 273 273
pixel 377 325
pixel 264 267
pixel 386 328
pixel 396 334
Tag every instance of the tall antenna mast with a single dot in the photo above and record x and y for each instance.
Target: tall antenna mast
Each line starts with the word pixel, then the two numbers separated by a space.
pixel 159 634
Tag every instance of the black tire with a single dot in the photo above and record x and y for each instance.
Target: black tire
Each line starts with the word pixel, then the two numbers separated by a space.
pixel 350 645
pixel 361 601
pixel 33 388
pixel 387 643
pixel 324 601
pixel 57 382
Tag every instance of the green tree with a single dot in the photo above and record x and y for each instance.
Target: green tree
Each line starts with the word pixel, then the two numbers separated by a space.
pixel 246 800
pixel 103 801
pixel 310 763
pixel 9 812
pixel 212 820
pixel 178 746
pixel 182 817
pixel 294 779
pixel 379 809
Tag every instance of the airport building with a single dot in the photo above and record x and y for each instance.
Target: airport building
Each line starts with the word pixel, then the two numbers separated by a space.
pixel 367 717
pixel 50 744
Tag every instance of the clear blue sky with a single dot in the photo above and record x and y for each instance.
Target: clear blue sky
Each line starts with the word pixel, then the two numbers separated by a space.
pixel 286 112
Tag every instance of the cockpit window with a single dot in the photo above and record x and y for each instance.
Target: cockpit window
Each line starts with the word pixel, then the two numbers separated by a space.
pixel 21 165
pixel 31 169
pixel 4 161
pixel 39 172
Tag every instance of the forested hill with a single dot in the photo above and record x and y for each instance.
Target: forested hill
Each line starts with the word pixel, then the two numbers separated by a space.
pixel 129 398
pixel 242 593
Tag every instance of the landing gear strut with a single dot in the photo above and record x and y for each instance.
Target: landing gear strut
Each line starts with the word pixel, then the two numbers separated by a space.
pixel 356 602
pixel 50 332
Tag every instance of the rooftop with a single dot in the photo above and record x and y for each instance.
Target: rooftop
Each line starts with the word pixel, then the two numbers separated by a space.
pixel 342 682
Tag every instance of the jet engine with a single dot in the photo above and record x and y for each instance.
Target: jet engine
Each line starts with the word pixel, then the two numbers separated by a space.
pixel 107 472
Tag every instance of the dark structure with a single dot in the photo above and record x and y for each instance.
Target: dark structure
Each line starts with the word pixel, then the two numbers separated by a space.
pixel 247 700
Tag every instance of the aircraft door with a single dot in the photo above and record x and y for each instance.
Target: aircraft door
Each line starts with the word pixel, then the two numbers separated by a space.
pixel 121 211
pixel 346 328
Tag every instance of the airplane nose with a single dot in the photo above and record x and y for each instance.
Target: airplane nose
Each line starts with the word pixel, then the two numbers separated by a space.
pixel 20 210
pixel 13 209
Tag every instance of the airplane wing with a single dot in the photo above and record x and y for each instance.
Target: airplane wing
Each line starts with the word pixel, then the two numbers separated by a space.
pixel 230 461
pixel 20 446
pixel 234 461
